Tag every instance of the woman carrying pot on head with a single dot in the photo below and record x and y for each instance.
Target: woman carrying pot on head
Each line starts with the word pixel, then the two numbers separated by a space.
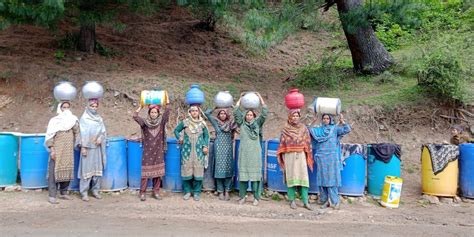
pixel 225 127
pixel 61 136
pixel 154 148
pixel 93 158
pixel 250 150
pixel 295 156
pixel 194 150
pixel 328 158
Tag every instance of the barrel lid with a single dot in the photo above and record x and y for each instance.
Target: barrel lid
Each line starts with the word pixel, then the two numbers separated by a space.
pixel 171 140
pixel 11 133
pixel 274 140
pixel 32 134
pixel 117 138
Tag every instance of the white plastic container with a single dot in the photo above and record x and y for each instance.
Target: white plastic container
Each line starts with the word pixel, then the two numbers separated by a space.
pixel 250 100
pixel 223 99
pixel 65 91
pixel 92 90
pixel 324 105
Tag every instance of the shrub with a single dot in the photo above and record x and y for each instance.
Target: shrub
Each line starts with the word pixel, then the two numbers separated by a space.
pixel 440 73
pixel 327 74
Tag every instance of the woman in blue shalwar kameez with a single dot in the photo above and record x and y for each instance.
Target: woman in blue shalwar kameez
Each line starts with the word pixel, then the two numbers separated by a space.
pixel 326 141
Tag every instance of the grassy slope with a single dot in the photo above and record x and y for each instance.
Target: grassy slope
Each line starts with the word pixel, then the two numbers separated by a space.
pixel 398 86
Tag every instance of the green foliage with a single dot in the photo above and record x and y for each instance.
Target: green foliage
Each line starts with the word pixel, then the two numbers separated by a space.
pixel 441 73
pixel 263 26
pixel 59 56
pixel 82 12
pixel 391 34
pixel 45 13
pixel 399 22
pixel 329 73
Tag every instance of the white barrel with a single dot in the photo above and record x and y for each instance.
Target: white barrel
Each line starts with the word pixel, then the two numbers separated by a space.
pixel 64 91
pixel 154 97
pixel 223 99
pixel 250 100
pixel 324 105
pixel 92 90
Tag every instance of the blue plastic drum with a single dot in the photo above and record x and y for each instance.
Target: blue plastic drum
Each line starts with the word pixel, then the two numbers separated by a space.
pixel 33 161
pixel 8 159
pixel 173 181
pixel 115 172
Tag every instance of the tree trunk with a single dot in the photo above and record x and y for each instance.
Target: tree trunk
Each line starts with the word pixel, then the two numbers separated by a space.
pixel 87 38
pixel 368 55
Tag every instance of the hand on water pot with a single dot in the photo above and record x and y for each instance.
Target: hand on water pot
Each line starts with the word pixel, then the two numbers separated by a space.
pixel 139 109
pixel 341 119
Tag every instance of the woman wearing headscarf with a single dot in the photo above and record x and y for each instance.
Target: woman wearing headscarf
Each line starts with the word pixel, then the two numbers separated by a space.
pixel 93 158
pixel 459 137
pixel 294 157
pixel 154 148
pixel 328 158
pixel 250 150
pixel 225 127
pixel 61 136
pixel 194 150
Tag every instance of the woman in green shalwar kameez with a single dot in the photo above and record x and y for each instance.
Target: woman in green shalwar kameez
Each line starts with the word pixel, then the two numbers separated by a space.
pixel 250 159
pixel 194 150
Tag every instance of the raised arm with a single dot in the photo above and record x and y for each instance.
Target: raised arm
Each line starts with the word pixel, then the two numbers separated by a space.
pixel 263 116
pixel 211 119
pixel 137 118
pixel 166 115
pixel 343 128
pixel 238 115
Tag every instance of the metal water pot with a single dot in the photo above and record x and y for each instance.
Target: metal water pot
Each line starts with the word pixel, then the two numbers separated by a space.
pixel 92 90
pixel 64 91
pixel 250 100
pixel 223 99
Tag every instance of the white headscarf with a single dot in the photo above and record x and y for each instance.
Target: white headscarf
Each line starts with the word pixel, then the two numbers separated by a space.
pixel 64 121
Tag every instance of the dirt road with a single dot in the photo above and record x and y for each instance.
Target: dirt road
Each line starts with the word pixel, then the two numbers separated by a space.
pixel 28 214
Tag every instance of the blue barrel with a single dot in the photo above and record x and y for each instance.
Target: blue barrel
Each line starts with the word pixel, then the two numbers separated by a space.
pixel 377 170
pixel 353 176
pixel 74 184
pixel 33 161
pixel 209 183
pixel 8 159
pixel 236 164
pixel 275 177
pixel 134 165
pixel 173 181
pixel 115 172
pixel 313 178
pixel 466 170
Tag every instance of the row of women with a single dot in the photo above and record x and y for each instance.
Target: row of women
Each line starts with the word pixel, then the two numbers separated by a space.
pixel 294 153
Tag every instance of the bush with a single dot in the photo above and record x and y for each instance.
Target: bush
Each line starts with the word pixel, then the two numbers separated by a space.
pixel 440 73
pixel 327 74
pixel 396 22
pixel 261 27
